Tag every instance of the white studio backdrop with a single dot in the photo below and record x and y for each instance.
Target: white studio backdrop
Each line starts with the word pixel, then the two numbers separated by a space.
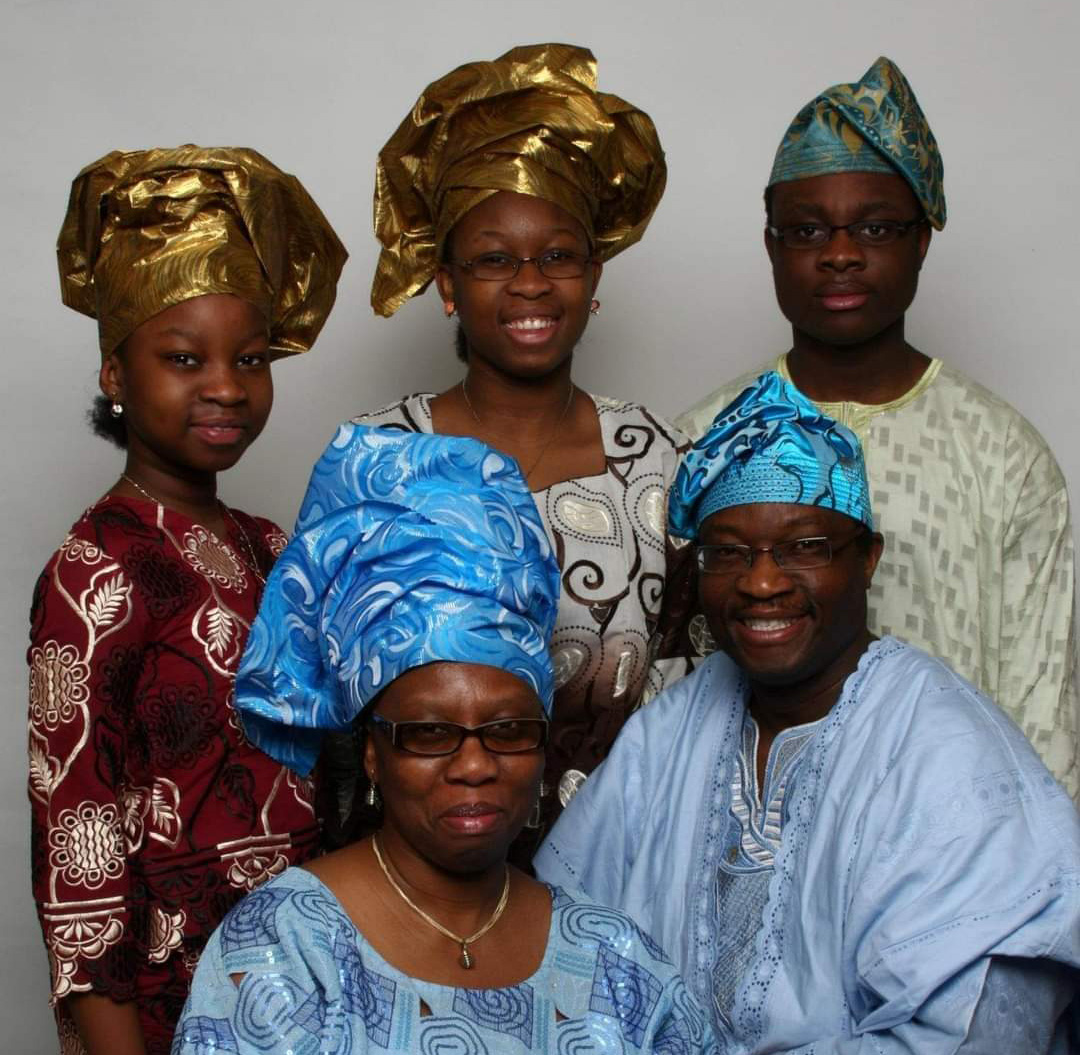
pixel 319 86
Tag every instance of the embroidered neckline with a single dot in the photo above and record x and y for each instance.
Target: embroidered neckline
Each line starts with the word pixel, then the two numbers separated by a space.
pixel 868 410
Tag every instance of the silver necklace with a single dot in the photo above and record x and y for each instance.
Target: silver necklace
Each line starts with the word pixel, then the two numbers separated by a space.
pixel 252 564
pixel 465 959
pixel 550 440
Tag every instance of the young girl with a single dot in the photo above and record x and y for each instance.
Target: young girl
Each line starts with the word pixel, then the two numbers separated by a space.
pixel 152 814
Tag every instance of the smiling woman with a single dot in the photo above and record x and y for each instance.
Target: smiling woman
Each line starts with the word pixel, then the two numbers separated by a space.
pixel 151 813
pixel 510 185
pixel 416 599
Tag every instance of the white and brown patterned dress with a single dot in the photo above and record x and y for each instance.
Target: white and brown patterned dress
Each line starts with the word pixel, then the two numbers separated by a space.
pixel 624 585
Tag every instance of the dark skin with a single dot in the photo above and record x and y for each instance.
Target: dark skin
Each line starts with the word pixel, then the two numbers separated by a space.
pixel 452 868
pixel 796 634
pixel 521 335
pixel 195 385
pixel 846 301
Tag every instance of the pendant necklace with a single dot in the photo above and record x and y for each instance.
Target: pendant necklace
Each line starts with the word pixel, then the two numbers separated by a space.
pixel 550 440
pixel 465 959
pixel 226 512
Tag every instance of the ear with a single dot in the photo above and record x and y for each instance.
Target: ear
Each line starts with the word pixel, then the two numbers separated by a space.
pixel 926 232
pixel 770 246
pixel 111 377
pixel 877 547
pixel 371 768
pixel 597 271
pixel 444 282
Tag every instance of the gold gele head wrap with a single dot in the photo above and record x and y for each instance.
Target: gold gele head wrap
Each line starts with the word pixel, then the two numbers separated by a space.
pixel 148 229
pixel 531 122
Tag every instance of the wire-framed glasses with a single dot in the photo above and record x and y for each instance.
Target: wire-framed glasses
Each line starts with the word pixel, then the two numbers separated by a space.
pixel 799 554
pixel 863 232
pixel 500 267
pixel 508 736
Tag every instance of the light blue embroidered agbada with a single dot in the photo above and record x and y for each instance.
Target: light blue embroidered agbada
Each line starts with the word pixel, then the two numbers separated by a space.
pixel 910 881
pixel 287 973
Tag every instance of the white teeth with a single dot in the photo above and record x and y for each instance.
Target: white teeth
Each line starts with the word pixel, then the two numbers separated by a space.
pixel 769 624
pixel 531 324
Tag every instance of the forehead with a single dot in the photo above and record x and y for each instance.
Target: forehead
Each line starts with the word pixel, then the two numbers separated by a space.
pixel 213 315
pixel 843 193
pixel 456 692
pixel 510 215
pixel 762 523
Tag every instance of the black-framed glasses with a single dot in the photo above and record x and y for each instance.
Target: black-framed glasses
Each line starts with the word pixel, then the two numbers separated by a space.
pixel 863 232
pixel 508 736
pixel 501 267
pixel 798 554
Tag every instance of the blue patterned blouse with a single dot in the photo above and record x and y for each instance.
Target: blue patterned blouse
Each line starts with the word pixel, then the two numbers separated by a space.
pixel 313 985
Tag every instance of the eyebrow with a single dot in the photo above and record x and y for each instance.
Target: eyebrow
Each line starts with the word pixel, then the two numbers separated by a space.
pixel 195 338
pixel 815 208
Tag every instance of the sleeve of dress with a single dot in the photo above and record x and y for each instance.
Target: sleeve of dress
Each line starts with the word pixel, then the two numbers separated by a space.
pixel 591 847
pixel 1019 1007
pixel 269 981
pixel 85 654
pixel 1037 682
pixel 963 896
pixel 679 1024
pixel 674 650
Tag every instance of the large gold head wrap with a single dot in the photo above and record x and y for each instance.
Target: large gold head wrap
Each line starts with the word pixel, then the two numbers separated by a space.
pixel 148 229
pixel 532 122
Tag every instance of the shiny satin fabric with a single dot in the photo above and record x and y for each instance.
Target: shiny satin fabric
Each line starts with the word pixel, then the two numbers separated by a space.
pixel 532 122
pixel 873 125
pixel 148 229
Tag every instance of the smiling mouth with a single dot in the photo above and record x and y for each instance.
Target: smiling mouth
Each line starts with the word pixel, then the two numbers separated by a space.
pixel 532 323
pixel 765 625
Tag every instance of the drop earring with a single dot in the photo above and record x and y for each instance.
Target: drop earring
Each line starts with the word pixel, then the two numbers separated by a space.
pixel 117 409
pixel 594 307
pixel 372 798
pixel 449 309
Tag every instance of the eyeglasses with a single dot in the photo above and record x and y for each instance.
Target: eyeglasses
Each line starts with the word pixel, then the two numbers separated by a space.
pixel 863 232
pixel 501 267
pixel 800 554
pixel 510 736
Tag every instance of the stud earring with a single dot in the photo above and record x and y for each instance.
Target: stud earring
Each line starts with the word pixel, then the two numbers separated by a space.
pixel 594 307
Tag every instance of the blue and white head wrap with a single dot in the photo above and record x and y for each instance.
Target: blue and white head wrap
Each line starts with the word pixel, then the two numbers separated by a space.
pixel 770 444
pixel 409 549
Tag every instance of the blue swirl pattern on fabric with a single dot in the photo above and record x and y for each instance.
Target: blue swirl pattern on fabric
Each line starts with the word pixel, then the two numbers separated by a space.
pixel 770 444
pixel 873 125
pixel 318 988
pixel 409 549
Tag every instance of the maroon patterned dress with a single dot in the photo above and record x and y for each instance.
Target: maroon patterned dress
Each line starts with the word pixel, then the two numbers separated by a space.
pixel 151 813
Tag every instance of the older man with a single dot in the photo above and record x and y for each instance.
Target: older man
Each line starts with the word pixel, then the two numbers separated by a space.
pixel 845 846
pixel 979 568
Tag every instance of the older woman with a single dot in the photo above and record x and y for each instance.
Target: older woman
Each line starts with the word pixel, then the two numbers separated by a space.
pixel 419 594
pixel 511 183
pixel 151 814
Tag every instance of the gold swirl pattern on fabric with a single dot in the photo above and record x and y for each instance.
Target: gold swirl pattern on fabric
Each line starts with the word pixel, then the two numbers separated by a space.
pixel 531 122
pixel 146 230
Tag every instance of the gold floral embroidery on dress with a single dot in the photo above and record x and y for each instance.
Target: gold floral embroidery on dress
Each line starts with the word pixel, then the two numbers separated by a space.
pixel 166 933
pixel 58 678
pixel 87 845
pixel 212 558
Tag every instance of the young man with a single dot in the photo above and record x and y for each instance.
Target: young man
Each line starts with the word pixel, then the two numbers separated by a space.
pixel 979 564
pixel 846 848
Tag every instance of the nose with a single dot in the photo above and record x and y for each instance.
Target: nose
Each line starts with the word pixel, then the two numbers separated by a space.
pixel 764 577
pixel 841 252
pixel 223 384
pixel 529 280
pixel 472 763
